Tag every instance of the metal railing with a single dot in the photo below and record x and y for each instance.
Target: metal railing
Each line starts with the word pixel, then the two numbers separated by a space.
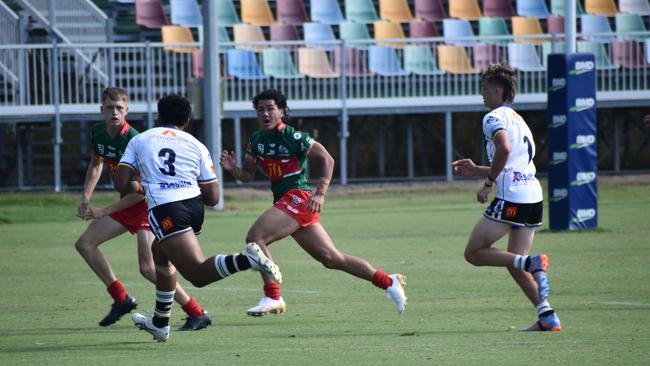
pixel 80 20
pixel 9 34
pixel 400 73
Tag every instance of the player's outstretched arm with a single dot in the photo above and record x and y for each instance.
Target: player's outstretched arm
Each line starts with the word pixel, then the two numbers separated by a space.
pixel 125 202
pixel 246 173
pixel 323 164
pixel 93 173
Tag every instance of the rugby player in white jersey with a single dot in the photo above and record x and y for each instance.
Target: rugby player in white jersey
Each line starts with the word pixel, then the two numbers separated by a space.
pixel 517 207
pixel 178 177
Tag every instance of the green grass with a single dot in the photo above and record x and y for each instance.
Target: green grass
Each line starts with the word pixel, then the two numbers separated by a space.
pixel 457 314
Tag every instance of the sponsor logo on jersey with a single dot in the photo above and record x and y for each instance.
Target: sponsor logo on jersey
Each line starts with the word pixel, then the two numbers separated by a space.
pixel 580 67
pixel 584 178
pixel 559 157
pixel 167 223
pixel 295 200
pixel 557 84
pixel 260 148
pixel 559 194
pixel 283 149
pixel 100 147
pixel 583 141
pixel 292 209
pixel 491 119
pixel 584 214
pixel 175 185
pixel 582 104
pixel 169 132
pixel 297 135
pixel 557 120
pixel 519 177
pixel 511 211
pixel 271 152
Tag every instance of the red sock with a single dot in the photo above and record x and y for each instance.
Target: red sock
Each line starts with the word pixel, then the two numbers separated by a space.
pixel 381 280
pixel 192 308
pixel 272 290
pixel 117 291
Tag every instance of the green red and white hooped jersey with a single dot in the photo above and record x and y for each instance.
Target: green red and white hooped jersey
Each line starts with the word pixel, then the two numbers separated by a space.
pixel 283 156
pixel 172 164
pixel 517 182
pixel 110 149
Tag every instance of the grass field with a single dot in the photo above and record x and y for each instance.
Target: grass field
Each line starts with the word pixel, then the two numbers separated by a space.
pixel 457 314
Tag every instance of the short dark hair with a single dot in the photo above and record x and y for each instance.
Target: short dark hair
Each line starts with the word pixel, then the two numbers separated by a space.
pixel 174 109
pixel 115 93
pixel 276 95
pixel 503 76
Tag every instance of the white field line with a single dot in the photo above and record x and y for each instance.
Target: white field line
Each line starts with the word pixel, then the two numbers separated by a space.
pixel 624 303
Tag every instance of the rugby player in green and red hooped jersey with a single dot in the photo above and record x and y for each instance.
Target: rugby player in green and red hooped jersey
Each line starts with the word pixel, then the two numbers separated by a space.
pixel 283 153
pixel 109 140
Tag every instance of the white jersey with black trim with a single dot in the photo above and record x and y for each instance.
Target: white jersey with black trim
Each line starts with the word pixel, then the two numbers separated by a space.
pixel 172 164
pixel 517 182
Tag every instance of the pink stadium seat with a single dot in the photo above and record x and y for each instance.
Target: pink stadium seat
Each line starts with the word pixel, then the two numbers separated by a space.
pixel 555 24
pixel 486 54
pixel 150 14
pixel 630 54
pixel 354 64
pixel 432 10
pixel 291 12
pixel 422 29
pixel 283 32
pixel 498 8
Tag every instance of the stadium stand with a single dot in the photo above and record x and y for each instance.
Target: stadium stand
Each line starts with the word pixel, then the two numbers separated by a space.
pixel 640 7
pixel 423 29
pixel 596 28
pixel 464 9
pixel 291 12
pixel 150 14
pixel 315 63
pixel 558 7
pixel 227 14
pixel 454 60
pixel 458 32
pixel 385 61
pixel 325 11
pixel 395 11
pixel 186 13
pixel 498 8
pixel 532 8
pixel 318 35
pixel 361 11
pixel 431 10
pixel 256 12
pixel 278 63
pixel 524 26
pixel 388 30
pixel 601 7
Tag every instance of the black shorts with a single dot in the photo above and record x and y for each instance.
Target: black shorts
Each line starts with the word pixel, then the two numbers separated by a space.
pixel 175 218
pixel 516 214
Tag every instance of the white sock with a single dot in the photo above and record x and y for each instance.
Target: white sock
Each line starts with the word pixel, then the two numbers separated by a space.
pixel 520 261
pixel 543 307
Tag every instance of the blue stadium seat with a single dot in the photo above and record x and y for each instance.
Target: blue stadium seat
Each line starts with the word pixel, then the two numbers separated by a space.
pixel 314 32
pixel 532 8
pixel 454 28
pixel 592 24
pixel 326 11
pixel 186 13
pixel 524 57
pixel 243 64
pixel 384 61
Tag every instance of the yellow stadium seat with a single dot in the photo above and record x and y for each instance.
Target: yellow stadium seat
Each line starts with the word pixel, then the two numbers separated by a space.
pixel 395 11
pixel 248 33
pixel 601 7
pixel 177 34
pixel 454 60
pixel 388 30
pixel 464 9
pixel 524 26
pixel 256 12
pixel 314 62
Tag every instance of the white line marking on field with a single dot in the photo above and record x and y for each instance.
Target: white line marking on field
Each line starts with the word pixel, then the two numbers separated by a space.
pixel 625 303
pixel 211 288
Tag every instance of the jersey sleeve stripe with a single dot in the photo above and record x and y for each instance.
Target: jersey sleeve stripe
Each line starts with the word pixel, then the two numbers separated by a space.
pixel 127 164
pixel 211 180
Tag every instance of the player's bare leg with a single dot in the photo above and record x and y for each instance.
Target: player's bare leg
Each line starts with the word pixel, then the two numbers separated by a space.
pixel 479 251
pixel 98 232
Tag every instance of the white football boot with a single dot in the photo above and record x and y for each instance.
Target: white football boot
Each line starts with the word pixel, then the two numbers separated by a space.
pixel 396 291
pixel 260 262
pixel 144 323
pixel 268 306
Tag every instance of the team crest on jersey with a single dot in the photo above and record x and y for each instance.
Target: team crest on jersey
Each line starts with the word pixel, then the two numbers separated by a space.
pixel 295 200
pixel 100 147
pixel 260 148
pixel 297 135
pixel 282 149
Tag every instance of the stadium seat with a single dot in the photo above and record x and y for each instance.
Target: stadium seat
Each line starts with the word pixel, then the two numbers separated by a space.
pixel 596 28
pixel 314 63
pixel 384 61
pixel 601 7
pixel 524 57
pixel 626 23
pixel 487 54
pixel 177 34
pixel 431 10
pixel 526 26
pixel 325 11
pixel 150 14
pixel 641 7
pixel 277 62
pixel 283 32
pixel 388 30
pixel 419 60
pixel 291 12
pixel 256 12
pixel 454 30
pixel 532 8
pixel 248 33
pixel 354 63
pixel 315 33
pixel 243 64
pixel 361 11
pixel 603 61
pixel 498 8
pixel 454 60
pixel 226 13
pixel 464 9
pixel 186 13
pixel 197 63
pixel 493 27
pixel 629 54
pixel 558 6
pixel 555 24
pixel 351 31
pixel 423 29
pixel 395 11
pixel 223 36
pixel 551 47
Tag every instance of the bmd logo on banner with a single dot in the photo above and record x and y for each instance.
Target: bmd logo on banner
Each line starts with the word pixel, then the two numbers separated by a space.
pixel 580 67
pixel 559 194
pixel 584 214
pixel 559 157
pixel 557 121
pixel 583 141
pixel 582 104
pixel 557 84
pixel 584 178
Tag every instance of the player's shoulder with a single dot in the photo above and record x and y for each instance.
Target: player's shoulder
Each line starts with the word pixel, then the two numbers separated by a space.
pixel 97 129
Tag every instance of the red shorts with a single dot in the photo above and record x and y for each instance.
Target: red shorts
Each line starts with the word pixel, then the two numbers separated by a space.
pixel 294 203
pixel 134 218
